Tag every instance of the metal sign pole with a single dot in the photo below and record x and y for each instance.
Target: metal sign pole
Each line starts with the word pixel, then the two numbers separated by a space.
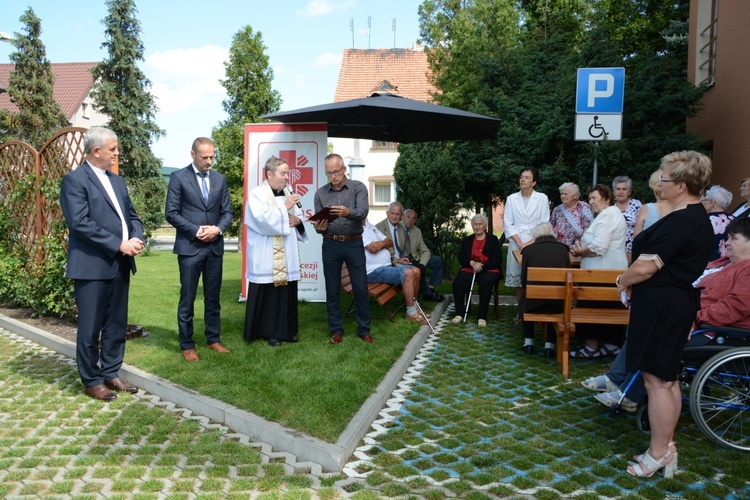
pixel 596 167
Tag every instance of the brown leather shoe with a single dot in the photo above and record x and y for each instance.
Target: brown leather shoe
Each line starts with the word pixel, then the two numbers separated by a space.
pixel 101 392
pixel 336 338
pixel 366 337
pixel 118 384
pixel 190 355
pixel 219 347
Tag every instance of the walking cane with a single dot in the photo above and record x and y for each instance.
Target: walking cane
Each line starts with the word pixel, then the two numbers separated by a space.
pixel 421 311
pixel 473 277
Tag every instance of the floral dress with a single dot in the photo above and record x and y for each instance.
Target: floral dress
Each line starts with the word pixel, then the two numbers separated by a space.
pixel 631 216
pixel 570 224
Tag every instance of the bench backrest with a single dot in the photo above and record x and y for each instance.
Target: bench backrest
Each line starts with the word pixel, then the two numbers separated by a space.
pixel 595 284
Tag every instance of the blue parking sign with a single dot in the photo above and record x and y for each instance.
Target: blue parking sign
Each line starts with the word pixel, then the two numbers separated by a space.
pixel 600 90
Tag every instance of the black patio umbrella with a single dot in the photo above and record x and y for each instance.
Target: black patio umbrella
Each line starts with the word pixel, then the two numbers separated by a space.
pixel 387 117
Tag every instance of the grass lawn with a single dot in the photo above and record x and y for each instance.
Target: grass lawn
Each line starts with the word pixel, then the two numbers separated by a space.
pixel 312 386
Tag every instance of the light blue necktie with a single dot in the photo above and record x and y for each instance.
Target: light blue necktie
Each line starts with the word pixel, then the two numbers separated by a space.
pixel 204 186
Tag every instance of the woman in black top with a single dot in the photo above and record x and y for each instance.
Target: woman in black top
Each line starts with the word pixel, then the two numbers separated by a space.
pixel 667 258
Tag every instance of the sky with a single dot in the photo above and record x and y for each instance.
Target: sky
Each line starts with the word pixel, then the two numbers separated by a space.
pixel 187 42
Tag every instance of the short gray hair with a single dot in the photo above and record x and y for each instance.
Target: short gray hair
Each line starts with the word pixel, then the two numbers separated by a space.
pixel 622 178
pixel 97 137
pixel 484 219
pixel 543 229
pixel 574 189
pixel 396 204
pixel 721 196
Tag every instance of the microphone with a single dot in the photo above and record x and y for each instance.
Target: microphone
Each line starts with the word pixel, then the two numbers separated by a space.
pixel 288 192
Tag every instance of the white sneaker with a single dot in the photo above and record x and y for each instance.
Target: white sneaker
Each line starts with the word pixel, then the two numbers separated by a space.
pixel 457 319
pixel 481 323
pixel 612 399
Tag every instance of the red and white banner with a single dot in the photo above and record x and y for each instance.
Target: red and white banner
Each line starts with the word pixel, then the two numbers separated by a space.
pixel 304 147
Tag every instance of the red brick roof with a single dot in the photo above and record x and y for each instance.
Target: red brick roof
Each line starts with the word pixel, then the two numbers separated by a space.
pixel 73 81
pixel 365 71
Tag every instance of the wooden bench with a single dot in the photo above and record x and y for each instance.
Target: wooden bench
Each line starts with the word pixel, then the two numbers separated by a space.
pixel 381 292
pixel 569 286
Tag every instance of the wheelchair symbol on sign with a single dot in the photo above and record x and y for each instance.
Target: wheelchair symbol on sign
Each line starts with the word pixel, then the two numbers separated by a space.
pixel 597 127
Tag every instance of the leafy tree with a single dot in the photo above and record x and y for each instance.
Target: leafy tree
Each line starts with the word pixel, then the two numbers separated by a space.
pixel 249 96
pixel 30 89
pixel 517 60
pixel 122 92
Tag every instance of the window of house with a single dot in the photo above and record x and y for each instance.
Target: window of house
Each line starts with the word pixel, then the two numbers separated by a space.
pixel 707 26
pixel 384 145
pixel 382 190
pixel 85 110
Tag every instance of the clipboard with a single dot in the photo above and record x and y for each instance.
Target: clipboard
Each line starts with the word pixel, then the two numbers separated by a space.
pixel 323 214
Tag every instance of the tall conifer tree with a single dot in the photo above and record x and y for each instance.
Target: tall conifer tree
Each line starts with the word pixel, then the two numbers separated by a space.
pixel 249 96
pixel 30 89
pixel 122 92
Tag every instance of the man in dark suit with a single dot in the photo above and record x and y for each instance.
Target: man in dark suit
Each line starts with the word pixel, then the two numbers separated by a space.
pixel 198 207
pixel 105 234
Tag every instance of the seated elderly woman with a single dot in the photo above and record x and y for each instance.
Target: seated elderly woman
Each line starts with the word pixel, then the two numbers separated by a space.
pixel 716 201
pixel 545 251
pixel 480 256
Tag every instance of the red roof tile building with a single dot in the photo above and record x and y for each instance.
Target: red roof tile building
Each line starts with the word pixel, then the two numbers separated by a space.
pixel 403 72
pixel 73 83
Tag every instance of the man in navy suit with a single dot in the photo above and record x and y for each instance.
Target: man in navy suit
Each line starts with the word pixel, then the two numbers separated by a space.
pixel 198 207
pixel 105 234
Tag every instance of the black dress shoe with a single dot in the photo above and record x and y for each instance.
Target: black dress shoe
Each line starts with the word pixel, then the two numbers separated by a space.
pixel 294 339
pixel 274 342
pixel 434 297
pixel 528 349
pixel 550 353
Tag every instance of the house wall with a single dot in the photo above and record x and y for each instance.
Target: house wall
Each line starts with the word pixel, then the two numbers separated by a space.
pixel 86 116
pixel 724 121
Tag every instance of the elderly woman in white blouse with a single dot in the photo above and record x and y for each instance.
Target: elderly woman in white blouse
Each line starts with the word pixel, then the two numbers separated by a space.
pixel 602 246
pixel 524 211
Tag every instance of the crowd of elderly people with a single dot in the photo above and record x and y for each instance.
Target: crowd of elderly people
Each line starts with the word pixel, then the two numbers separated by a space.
pixel 672 279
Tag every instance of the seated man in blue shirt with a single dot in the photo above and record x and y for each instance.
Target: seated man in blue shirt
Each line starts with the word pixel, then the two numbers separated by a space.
pixel 380 269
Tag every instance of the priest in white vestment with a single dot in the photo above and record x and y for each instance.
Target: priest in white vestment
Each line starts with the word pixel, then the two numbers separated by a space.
pixel 273 224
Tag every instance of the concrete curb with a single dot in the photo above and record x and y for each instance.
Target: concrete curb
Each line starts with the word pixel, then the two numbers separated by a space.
pixel 331 457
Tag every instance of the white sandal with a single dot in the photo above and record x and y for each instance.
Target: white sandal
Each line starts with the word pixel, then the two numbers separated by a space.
pixel 602 383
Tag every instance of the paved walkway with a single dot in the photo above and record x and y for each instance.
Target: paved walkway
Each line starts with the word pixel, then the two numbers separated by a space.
pixel 473 417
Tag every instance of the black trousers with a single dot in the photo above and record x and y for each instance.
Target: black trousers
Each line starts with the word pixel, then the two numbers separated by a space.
pixel 208 265
pixel 462 285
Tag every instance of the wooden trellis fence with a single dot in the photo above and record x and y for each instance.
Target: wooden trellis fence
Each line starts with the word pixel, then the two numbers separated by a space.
pixel 29 188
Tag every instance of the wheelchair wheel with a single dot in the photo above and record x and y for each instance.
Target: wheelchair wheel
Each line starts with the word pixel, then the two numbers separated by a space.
pixel 720 398
pixel 642 421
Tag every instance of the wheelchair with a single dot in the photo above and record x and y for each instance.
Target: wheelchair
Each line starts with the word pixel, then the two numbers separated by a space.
pixel 717 375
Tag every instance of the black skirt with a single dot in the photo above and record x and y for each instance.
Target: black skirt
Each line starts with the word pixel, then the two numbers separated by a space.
pixel 271 312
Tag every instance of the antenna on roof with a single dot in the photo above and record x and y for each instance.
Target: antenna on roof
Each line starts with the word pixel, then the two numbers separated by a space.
pixel 369 31
pixel 394 32
pixel 351 28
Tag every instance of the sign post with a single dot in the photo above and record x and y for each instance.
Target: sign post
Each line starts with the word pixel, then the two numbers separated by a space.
pixel 600 98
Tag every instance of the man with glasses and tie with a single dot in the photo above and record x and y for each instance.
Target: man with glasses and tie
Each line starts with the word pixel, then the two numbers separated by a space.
pixel 198 207
pixel 342 243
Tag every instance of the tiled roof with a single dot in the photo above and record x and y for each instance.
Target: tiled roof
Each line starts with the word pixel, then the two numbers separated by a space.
pixel 73 81
pixel 365 71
